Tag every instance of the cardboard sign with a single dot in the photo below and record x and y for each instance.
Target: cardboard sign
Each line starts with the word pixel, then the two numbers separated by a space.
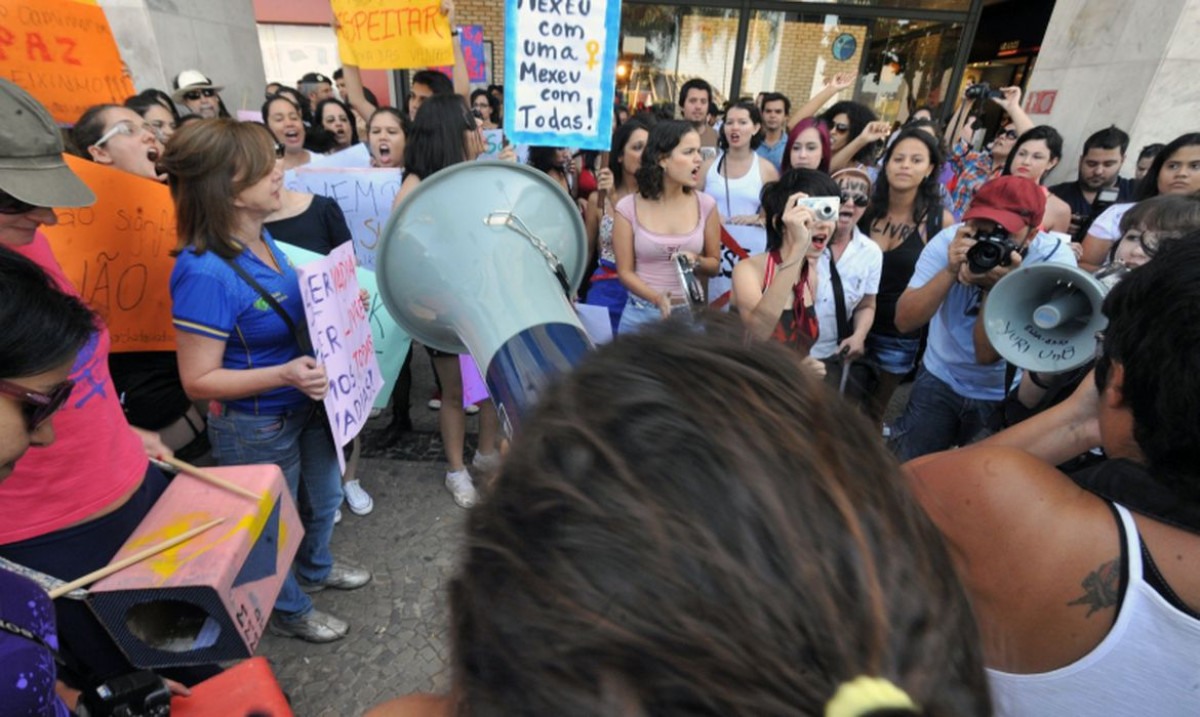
pixel 472 47
pixel 391 342
pixel 560 62
pixel 116 253
pixel 393 34
pixel 341 336
pixel 365 196
pixel 63 53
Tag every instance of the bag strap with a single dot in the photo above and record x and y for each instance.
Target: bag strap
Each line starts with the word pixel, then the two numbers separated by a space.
pixel 839 299
pixel 301 339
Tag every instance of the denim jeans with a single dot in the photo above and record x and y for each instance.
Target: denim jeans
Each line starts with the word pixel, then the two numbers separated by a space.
pixel 299 442
pixel 638 313
pixel 937 418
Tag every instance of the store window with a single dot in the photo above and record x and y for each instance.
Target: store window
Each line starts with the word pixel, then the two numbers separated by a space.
pixel 663 46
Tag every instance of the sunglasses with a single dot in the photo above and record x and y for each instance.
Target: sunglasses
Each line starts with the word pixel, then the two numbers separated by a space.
pixel 840 127
pixel 197 94
pixel 859 200
pixel 11 205
pixel 1008 134
pixel 128 129
pixel 38 407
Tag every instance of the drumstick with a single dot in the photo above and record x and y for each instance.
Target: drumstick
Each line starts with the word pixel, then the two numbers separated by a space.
pixel 207 477
pixel 135 558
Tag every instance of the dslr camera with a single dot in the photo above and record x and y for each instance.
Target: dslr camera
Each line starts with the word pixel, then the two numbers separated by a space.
pixel 991 249
pixel 138 694
pixel 824 209
pixel 980 91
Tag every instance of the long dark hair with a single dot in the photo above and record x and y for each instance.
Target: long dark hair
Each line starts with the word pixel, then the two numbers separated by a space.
pixel 664 138
pixel 774 197
pixel 1148 187
pixel 437 140
pixel 741 547
pixel 319 117
pixel 621 138
pixel 859 116
pixel 543 158
pixel 146 99
pixel 43 327
pixel 492 103
pixel 929 196
pixel 1044 132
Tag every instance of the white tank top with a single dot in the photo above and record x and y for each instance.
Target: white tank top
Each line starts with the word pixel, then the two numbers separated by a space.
pixel 738 197
pixel 1148 664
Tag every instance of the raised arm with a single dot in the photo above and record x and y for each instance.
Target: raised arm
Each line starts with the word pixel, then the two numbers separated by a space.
pixel 840 81
pixel 1011 102
pixel 462 79
pixel 873 132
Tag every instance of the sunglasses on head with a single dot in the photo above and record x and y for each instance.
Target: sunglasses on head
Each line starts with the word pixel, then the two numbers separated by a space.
pixel 38 407
pixel 859 200
pixel 197 94
pixel 11 205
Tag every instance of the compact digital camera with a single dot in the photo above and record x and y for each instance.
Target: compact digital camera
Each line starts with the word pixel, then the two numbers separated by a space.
pixel 990 250
pixel 824 209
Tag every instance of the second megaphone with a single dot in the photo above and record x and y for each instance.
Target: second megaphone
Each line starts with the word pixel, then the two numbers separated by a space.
pixel 1045 317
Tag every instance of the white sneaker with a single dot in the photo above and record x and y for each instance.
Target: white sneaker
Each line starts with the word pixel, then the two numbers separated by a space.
pixel 460 486
pixel 337 517
pixel 471 410
pixel 486 462
pixel 359 501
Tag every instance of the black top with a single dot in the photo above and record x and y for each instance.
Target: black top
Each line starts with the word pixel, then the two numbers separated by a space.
pixel 1072 194
pixel 321 228
pixel 898 267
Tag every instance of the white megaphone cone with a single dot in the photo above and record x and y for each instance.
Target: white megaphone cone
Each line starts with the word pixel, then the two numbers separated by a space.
pixel 483 258
pixel 1045 317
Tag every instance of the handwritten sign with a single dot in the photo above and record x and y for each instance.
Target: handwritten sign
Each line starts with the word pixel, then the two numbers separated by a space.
pixel 391 342
pixel 393 34
pixel 560 60
pixel 116 252
pixel 341 335
pixel 365 196
pixel 472 47
pixel 63 53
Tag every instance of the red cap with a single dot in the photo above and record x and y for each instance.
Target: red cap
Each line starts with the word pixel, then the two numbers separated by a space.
pixel 1012 202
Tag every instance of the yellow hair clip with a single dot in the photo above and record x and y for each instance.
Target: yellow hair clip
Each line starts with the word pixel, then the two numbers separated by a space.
pixel 864 695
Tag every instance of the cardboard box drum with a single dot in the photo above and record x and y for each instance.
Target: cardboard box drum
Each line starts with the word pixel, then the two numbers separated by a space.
pixel 208 599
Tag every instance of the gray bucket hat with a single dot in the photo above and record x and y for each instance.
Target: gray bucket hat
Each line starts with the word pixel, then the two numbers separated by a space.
pixel 31 148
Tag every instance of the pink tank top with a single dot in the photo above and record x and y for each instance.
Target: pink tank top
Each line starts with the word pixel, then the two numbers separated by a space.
pixel 653 251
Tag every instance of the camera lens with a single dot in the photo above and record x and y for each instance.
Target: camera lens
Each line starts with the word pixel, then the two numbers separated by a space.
pixel 984 256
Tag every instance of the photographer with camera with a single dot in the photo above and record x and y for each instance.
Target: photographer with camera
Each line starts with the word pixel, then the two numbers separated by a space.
pixel 973 168
pixel 961 381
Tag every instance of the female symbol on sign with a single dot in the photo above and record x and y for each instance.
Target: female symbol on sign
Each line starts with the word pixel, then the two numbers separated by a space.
pixel 593 49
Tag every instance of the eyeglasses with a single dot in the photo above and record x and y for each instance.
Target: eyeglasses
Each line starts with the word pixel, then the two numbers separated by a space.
pixel 840 127
pixel 128 129
pixel 859 200
pixel 197 94
pixel 38 407
pixel 1007 134
pixel 11 205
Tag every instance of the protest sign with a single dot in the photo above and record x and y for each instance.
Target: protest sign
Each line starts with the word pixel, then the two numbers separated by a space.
pixel 560 60
pixel 341 336
pixel 391 342
pixel 356 157
pixel 63 53
pixel 471 39
pixel 393 34
pixel 116 253
pixel 365 196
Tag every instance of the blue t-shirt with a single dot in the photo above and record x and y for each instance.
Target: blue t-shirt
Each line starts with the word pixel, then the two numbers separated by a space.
pixel 211 300
pixel 950 354
pixel 774 153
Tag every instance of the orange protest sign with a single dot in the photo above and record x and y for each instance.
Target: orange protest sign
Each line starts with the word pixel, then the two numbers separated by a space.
pixel 116 252
pixel 393 34
pixel 63 53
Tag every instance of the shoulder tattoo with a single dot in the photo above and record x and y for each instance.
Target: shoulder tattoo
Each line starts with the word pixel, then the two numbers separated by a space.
pixel 1101 588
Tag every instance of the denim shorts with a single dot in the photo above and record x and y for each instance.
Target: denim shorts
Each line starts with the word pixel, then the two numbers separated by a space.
pixel 638 313
pixel 893 354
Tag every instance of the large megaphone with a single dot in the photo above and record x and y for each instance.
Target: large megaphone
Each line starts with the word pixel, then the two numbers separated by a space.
pixel 1045 317
pixel 483 258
